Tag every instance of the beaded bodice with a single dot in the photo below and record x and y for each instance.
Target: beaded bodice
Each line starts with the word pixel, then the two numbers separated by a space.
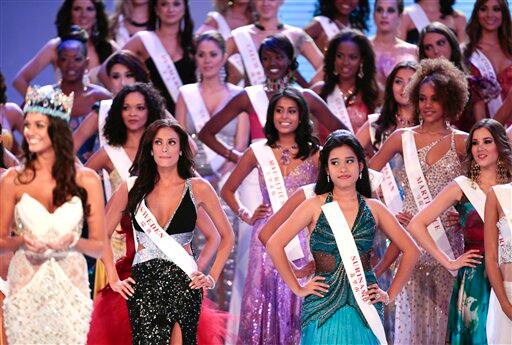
pixel 505 245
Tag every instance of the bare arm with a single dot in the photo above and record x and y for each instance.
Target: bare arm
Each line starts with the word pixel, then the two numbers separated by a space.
pixel 389 257
pixel 85 130
pixel 460 26
pixel 8 243
pixel 212 239
pixel 388 149
pixel 491 252
pixel 311 52
pixel 405 24
pixel 363 135
pixel 209 24
pixel 99 160
pixel 180 113
pixel 321 111
pixel 504 113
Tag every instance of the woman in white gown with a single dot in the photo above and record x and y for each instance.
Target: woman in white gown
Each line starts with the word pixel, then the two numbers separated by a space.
pixel 48 198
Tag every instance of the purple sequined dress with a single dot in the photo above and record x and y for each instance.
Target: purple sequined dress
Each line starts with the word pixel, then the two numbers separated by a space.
pixel 270 312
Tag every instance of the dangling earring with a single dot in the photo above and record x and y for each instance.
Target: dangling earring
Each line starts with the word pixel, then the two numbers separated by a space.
pixel 157 23
pixel 231 3
pixel 501 171
pixel 199 76
pixel 85 80
pixel 328 179
pixel 95 30
pixel 151 153
pixel 360 74
pixel 474 173
pixel 335 73
pixel 181 153
pixel 361 175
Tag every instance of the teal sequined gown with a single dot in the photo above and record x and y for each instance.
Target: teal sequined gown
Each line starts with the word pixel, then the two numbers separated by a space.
pixel 336 317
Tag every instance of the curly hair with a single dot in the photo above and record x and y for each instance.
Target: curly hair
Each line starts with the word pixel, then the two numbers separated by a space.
pixel 130 61
pixel 441 29
pixel 387 118
pixel 76 34
pixel 185 34
pixel 367 85
pixel 3 89
pixel 338 138
pixel 63 169
pixel 278 44
pixel 100 34
pixel 474 29
pixel 115 130
pixel 358 18
pixel 306 141
pixel 145 168
pixel 499 135
pixel 450 84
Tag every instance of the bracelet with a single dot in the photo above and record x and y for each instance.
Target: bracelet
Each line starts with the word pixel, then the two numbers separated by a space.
pixel 230 151
pixel 210 278
pixel 240 212
pixel 387 300
pixel 75 241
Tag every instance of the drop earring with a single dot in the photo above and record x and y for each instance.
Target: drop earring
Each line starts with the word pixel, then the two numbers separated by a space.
pixel 328 179
pixel 360 175
pixel 360 74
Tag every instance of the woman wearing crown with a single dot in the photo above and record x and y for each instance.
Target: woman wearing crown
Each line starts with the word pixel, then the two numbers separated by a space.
pixel 48 198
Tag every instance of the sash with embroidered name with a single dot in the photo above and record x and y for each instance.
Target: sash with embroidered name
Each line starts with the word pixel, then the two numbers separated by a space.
pixel 166 243
pixel 504 195
pixel 249 53
pixel 418 16
pixel 4 287
pixel 474 194
pixel 421 192
pixel 259 101
pixel 200 115
pixel 105 106
pixel 330 28
pixel 390 191
pixel 336 103
pixel 120 160
pixel 163 62
pixel 309 190
pixel 276 190
pixel 353 266
pixel 482 63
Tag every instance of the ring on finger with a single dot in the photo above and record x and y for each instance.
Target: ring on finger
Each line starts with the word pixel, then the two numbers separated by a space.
pixel 377 295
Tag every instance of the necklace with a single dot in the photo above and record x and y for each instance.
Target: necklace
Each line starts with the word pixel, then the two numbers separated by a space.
pixel 137 24
pixel 348 97
pixel 286 153
pixel 275 86
pixel 260 27
pixel 403 122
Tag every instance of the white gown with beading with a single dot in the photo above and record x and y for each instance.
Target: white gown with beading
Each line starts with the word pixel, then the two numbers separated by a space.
pixel 48 301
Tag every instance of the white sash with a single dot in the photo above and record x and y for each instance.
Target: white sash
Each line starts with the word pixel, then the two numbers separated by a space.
pixel 167 244
pixel 421 193
pixel 353 266
pixel 475 195
pixel 225 31
pixel 309 190
pixel 482 63
pixel 122 34
pixel 336 103
pixel 276 190
pixel 504 195
pixel 259 101
pixel 418 16
pixel 200 115
pixel 163 62
pixel 249 53
pixel 105 106
pixel 119 159
pixel 390 191
pixel 4 287
pixel 330 28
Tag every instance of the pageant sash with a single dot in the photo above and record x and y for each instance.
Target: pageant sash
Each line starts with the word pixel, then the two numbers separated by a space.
pixel 249 53
pixel 119 159
pixel 200 115
pixel 105 106
pixel 122 34
pixel 259 101
pixel 418 16
pixel 482 63
pixel 168 245
pixel 276 190
pixel 330 28
pixel 336 103
pixel 474 194
pixel 421 193
pixel 4 287
pixel 504 195
pixel 390 191
pixel 353 266
pixel 225 31
pixel 163 62
pixel 309 190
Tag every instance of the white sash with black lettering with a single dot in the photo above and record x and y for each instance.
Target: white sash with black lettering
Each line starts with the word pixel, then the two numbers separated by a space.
pixel 168 245
pixel 200 115
pixel 330 28
pixel 390 191
pixel 259 101
pixel 504 195
pixel 482 63
pixel 105 106
pixel 309 190
pixel 249 53
pixel 421 193
pixel 336 103
pixel 4 287
pixel 475 195
pixel 353 266
pixel 276 190
pixel 418 16
pixel 163 62
pixel 119 159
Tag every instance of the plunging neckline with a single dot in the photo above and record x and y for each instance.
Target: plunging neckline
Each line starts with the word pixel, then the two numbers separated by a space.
pixel 44 207
pixel 358 215
pixel 171 217
pixel 430 146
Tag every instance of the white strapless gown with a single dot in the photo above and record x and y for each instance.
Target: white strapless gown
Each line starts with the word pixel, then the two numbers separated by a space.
pixel 48 301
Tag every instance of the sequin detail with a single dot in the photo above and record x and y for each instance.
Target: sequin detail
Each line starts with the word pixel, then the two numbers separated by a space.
pixel 505 248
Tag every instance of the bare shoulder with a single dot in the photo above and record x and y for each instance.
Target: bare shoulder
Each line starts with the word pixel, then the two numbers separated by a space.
pixel 200 185
pixel 99 92
pixel 87 177
pixel 459 16
pixel 317 87
pixel 8 177
pixel 375 205
pixel 12 108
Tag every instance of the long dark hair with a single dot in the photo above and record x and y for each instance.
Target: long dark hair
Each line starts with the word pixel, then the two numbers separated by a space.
pixel 2 163
pixel 278 44
pixel 3 89
pixel 499 134
pixel 367 85
pixel 358 18
pixel 145 168
pixel 185 34
pixel 115 130
pixel 130 61
pixel 387 118
pixel 441 29
pixel 338 138
pixel 100 33
pixel 63 169
pixel 304 138
pixel 474 29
